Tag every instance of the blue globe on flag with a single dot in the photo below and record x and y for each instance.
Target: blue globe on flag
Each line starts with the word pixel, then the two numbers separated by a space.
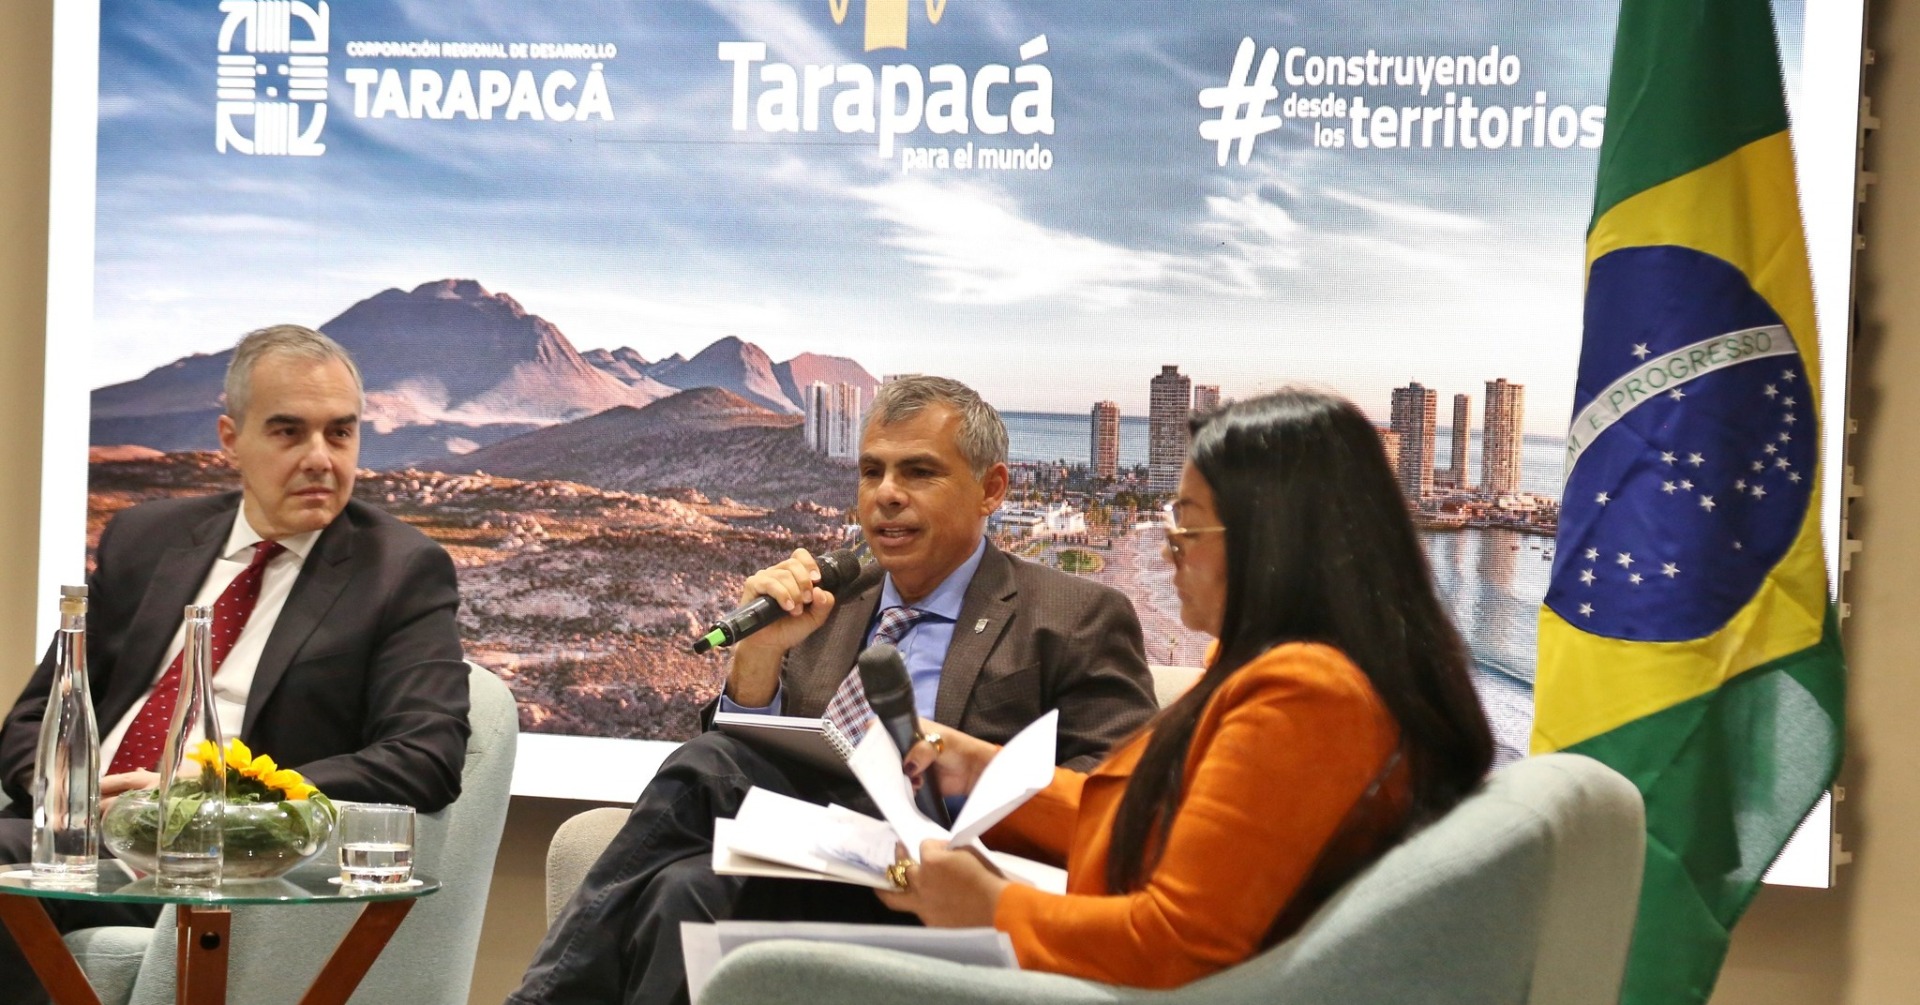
pixel 1692 450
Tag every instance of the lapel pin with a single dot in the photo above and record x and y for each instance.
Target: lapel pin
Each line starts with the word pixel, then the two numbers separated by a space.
pixel 980 626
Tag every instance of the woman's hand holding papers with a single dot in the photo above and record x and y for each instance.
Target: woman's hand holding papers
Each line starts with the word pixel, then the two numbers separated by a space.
pixel 956 765
pixel 948 889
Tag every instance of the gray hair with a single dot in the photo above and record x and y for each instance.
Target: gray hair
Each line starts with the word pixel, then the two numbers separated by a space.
pixel 282 340
pixel 982 438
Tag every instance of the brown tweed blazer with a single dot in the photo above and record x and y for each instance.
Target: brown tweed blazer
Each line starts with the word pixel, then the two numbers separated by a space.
pixel 1029 639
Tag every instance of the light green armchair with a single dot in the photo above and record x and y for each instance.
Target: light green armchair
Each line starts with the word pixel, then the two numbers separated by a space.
pixel 1524 895
pixel 278 950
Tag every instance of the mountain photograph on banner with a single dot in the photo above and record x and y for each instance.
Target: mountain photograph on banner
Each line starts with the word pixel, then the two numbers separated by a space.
pixel 623 280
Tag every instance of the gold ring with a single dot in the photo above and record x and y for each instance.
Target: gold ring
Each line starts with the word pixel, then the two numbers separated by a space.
pixel 897 874
pixel 936 741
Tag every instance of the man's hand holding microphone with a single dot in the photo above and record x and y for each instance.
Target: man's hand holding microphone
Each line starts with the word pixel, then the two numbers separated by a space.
pixel 779 606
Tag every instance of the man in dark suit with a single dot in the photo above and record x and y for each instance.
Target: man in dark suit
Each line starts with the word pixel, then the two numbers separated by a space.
pixel 346 666
pixel 990 643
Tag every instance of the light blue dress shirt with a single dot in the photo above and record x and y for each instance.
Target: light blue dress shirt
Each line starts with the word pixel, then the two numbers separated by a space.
pixel 923 648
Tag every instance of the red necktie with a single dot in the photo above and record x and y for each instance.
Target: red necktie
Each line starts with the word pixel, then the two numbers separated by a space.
pixel 140 748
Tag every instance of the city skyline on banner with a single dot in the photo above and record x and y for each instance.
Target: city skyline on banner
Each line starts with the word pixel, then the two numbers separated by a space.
pixel 1305 261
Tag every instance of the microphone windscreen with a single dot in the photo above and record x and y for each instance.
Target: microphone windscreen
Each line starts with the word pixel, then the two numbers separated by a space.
pixel 839 568
pixel 884 676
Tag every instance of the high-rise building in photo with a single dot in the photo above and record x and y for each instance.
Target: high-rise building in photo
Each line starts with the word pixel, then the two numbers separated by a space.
pixel 1169 401
pixel 1104 456
pixel 1390 443
pixel 1500 443
pixel 833 416
pixel 1206 398
pixel 1414 410
pixel 1462 433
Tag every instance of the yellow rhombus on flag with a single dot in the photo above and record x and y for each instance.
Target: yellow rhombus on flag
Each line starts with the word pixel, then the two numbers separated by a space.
pixel 1688 637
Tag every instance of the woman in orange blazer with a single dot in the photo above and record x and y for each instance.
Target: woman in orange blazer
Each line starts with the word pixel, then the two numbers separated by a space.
pixel 1336 714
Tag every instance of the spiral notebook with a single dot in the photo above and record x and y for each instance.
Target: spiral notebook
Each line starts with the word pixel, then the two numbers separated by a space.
pixel 816 742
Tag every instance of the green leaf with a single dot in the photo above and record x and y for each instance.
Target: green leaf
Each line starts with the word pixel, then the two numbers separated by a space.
pixel 299 828
pixel 180 811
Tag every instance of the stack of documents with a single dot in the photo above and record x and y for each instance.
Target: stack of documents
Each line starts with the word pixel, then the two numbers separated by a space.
pixel 776 835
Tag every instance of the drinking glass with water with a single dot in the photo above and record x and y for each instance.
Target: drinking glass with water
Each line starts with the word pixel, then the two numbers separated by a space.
pixel 376 844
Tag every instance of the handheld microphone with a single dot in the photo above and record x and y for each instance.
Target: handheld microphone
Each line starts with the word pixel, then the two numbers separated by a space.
pixel 837 570
pixel 883 674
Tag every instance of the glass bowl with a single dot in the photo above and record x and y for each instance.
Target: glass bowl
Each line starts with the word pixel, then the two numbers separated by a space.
pixel 262 840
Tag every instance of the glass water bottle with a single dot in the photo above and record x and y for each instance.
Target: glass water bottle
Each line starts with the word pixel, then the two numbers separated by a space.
pixel 193 807
pixel 66 770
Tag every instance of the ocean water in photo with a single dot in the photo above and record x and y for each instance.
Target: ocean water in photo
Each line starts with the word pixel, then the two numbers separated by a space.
pixel 1491 579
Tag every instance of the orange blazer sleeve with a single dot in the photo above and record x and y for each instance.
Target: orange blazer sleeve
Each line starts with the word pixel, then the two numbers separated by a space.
pixel 1281 754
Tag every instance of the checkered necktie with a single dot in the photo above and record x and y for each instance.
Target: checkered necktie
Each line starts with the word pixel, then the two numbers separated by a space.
pixel 849 711
pixel 140 748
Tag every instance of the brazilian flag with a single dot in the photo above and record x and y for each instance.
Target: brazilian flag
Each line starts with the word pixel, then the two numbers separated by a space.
pixel 1688 638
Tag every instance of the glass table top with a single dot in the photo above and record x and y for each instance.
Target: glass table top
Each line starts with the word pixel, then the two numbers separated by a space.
pixel 314 882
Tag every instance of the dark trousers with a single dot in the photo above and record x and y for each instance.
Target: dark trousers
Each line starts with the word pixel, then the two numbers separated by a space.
pixel 16 977
pixel 618 939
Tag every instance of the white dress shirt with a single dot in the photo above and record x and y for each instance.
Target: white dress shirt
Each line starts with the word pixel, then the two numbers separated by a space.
pixel 234 678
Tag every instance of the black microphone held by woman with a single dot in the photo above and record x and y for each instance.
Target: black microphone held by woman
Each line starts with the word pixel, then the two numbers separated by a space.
pixel 883 675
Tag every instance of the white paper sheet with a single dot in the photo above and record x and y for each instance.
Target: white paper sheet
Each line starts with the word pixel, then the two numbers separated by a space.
pixel 1023 767
pixel 876 763
pixel 776 835
pixel 833 841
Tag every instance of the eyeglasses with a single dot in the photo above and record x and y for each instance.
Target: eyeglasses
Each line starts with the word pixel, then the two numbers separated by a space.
pixel 1177 537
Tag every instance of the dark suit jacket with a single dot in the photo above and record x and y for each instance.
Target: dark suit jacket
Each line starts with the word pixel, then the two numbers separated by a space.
pixel 1029 639
pixel 361 686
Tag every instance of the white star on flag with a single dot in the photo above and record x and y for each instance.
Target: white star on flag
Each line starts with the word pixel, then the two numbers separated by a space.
pixel 1668 487
pixel 1759 491
pixel 1624 560
pixel 1782 463
pixel 1676 394
pixel 1794 477
pixel 1771 391
pixel 1787 375
pixel 1602 499
pixel 1685 485
pixel 1634 579
pixel 1787 401
pixel 1696 460
pixel 1790 420
pixel 1706 503
pixel 1669 569
pixel 1587 576
pixel 1770 450
pixel 1592 553
pixel 1667 456
pixel 1587 610
pixel 1640 350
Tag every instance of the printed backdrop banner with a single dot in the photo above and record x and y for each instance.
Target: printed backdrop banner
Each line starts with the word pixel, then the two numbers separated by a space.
pixel 623 276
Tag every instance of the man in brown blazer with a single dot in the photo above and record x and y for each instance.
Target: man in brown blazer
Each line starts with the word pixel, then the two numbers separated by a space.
pixel 990 642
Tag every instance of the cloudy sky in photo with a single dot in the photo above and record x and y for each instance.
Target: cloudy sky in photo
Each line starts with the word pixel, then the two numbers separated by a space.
pixel 666 229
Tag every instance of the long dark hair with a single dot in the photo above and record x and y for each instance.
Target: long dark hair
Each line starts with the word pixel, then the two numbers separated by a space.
pixel 1320 548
